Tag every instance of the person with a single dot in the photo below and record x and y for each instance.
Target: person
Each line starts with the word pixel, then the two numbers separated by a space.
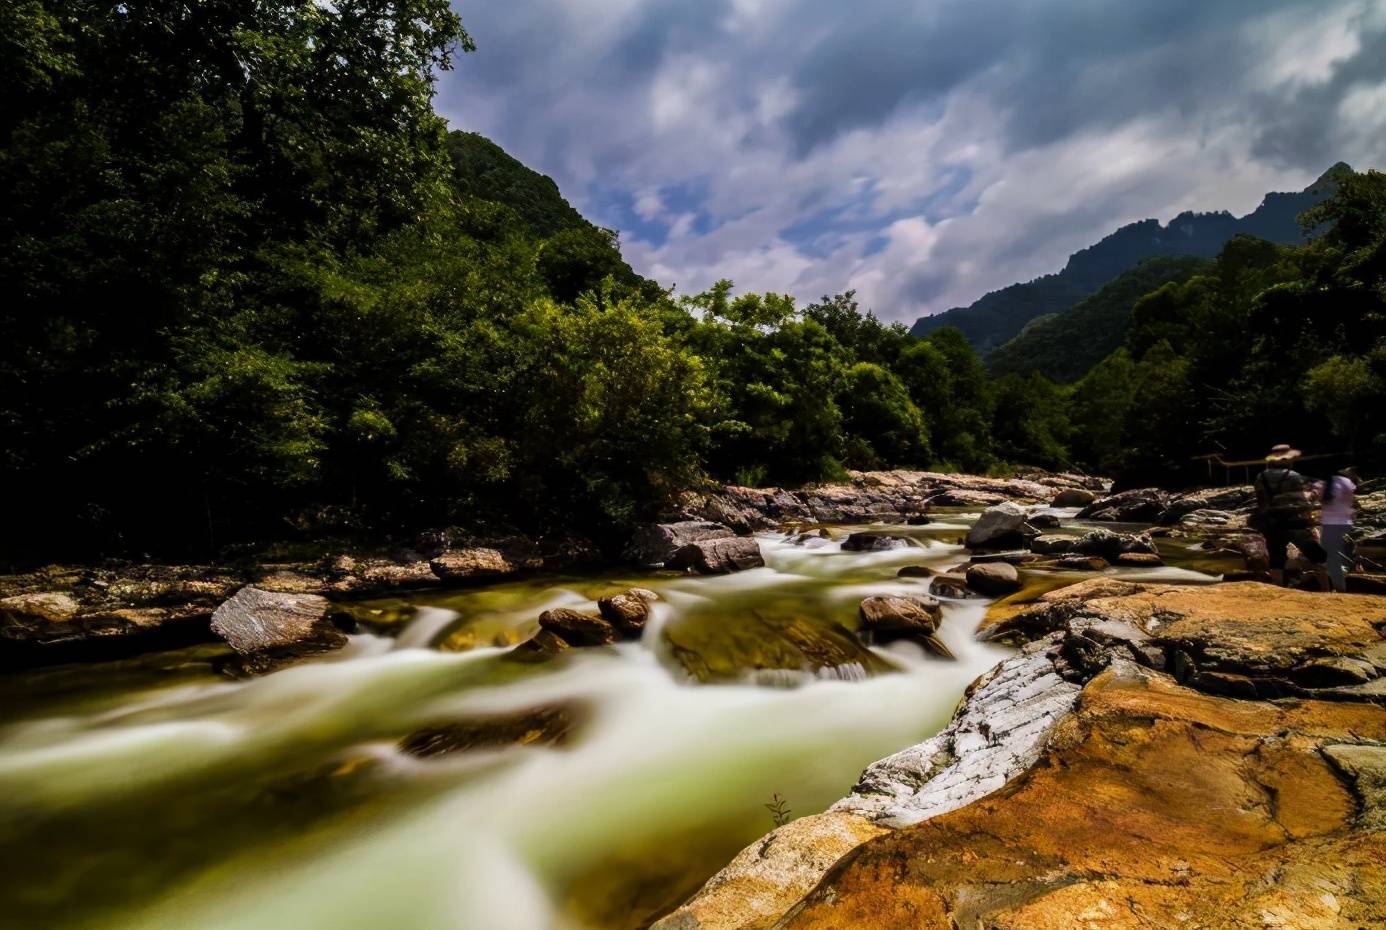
pixel 1283 510
pixel 1339 499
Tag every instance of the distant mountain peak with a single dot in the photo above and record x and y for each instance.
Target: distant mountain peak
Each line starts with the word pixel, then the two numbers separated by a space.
pixel 998 316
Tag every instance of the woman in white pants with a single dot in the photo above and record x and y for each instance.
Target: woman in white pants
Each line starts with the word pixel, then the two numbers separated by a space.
pixel 1339 500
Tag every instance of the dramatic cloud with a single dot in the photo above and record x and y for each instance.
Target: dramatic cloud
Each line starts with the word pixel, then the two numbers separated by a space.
pixel 919 151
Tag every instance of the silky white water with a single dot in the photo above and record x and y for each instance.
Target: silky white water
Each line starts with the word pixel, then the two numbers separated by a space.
pixel 284 802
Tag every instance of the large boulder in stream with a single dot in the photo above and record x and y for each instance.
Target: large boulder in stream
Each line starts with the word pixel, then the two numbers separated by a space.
pixel 576 628
pixel 888 617
pixel 718 556
pixel 270 628
pixel 628 611
pixel 1001 527
pixel 656 544
pixel 993 579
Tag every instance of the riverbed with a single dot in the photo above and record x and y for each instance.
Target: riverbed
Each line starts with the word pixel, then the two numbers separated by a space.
pixel 155 793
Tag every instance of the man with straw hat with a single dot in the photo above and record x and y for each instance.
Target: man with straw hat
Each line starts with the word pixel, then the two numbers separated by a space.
pixel 1284 512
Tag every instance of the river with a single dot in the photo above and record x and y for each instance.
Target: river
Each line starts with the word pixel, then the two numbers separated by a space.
pixel 154 794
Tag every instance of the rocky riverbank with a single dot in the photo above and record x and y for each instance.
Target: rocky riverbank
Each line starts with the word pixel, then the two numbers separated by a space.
pixel 60 614
pixel 63 613
pixel 1155 756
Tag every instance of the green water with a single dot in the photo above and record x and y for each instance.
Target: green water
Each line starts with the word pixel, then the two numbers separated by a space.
pixel 154 794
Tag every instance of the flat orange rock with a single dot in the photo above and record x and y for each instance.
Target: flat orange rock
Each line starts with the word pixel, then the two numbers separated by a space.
pixel 1154 806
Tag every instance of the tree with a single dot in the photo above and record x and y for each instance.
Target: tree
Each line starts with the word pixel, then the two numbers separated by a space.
pixel 877 412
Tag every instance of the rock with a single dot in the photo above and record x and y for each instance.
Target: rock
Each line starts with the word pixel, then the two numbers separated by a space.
pixel 919 519
pixel 576 628
pixel 881 496
pixel 1149 806
pixel 951 586
pixel 1253 549
pixel 1142 505
pixel 462 564
pixel 1139 560
pixel 40 607
pixel 770 875
pixel 1051 545
pixel 873 542
pixel 768 647
pixel 1083 563
pixel 1109 545
pixel 540 647
pixel 888 617
pixel 548 724
pixel 1073 497
pixel 718 556
pixel 1018 557
pixel 915 571
pixel 967 497
pixel 628 611
pixel 993 578
pixel 1253 639
pixel 657 543
pixel 1333 671
pixel 388 575
pixel 1045 521
pixel 1075 787
pixel 1363 583
pixel 998 733
pixel 1001 527
pixel 271 629
pixel 56 615
pixel 1210 500
pixel 1365 767
pixel 1210 519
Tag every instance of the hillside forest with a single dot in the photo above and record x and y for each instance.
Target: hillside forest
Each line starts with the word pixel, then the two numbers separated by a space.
pixel 256 289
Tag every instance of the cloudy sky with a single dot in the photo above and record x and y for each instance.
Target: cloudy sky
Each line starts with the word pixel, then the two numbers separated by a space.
pixel 922 152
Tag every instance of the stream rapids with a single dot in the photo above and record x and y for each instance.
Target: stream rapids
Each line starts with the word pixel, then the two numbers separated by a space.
pixel 153 794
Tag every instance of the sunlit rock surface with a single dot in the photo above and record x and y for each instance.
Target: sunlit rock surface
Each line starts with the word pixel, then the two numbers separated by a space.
pixel 1103 777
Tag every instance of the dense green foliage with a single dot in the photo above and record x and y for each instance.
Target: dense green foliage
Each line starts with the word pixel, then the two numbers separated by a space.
pixel 1063 346
pixel 254 289
pixel 1269 344
pixel 484 170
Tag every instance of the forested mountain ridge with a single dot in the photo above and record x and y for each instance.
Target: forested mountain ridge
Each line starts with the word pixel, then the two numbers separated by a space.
pixel 1062 346
pixel 482 169
pixel 1000 315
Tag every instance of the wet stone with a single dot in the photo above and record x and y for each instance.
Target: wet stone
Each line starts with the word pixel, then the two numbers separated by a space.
pixel 873 542
pixel 628 611
pixel 915 571
pixel 993 578
pixel 951 586
pixel 550 724
pixel 718 556
pixel 576 628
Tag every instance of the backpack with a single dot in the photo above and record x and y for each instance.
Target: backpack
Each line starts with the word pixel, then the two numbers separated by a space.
pixel 1281 503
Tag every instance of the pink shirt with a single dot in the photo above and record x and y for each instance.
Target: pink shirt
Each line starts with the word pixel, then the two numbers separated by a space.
pixel 1338 511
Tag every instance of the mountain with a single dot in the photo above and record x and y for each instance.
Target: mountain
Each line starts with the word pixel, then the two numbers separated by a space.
pixel 1000 315
pixel 483 169
pixel 1063 346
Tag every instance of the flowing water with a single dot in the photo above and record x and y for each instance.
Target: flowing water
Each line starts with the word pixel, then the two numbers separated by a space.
pixel 153 794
